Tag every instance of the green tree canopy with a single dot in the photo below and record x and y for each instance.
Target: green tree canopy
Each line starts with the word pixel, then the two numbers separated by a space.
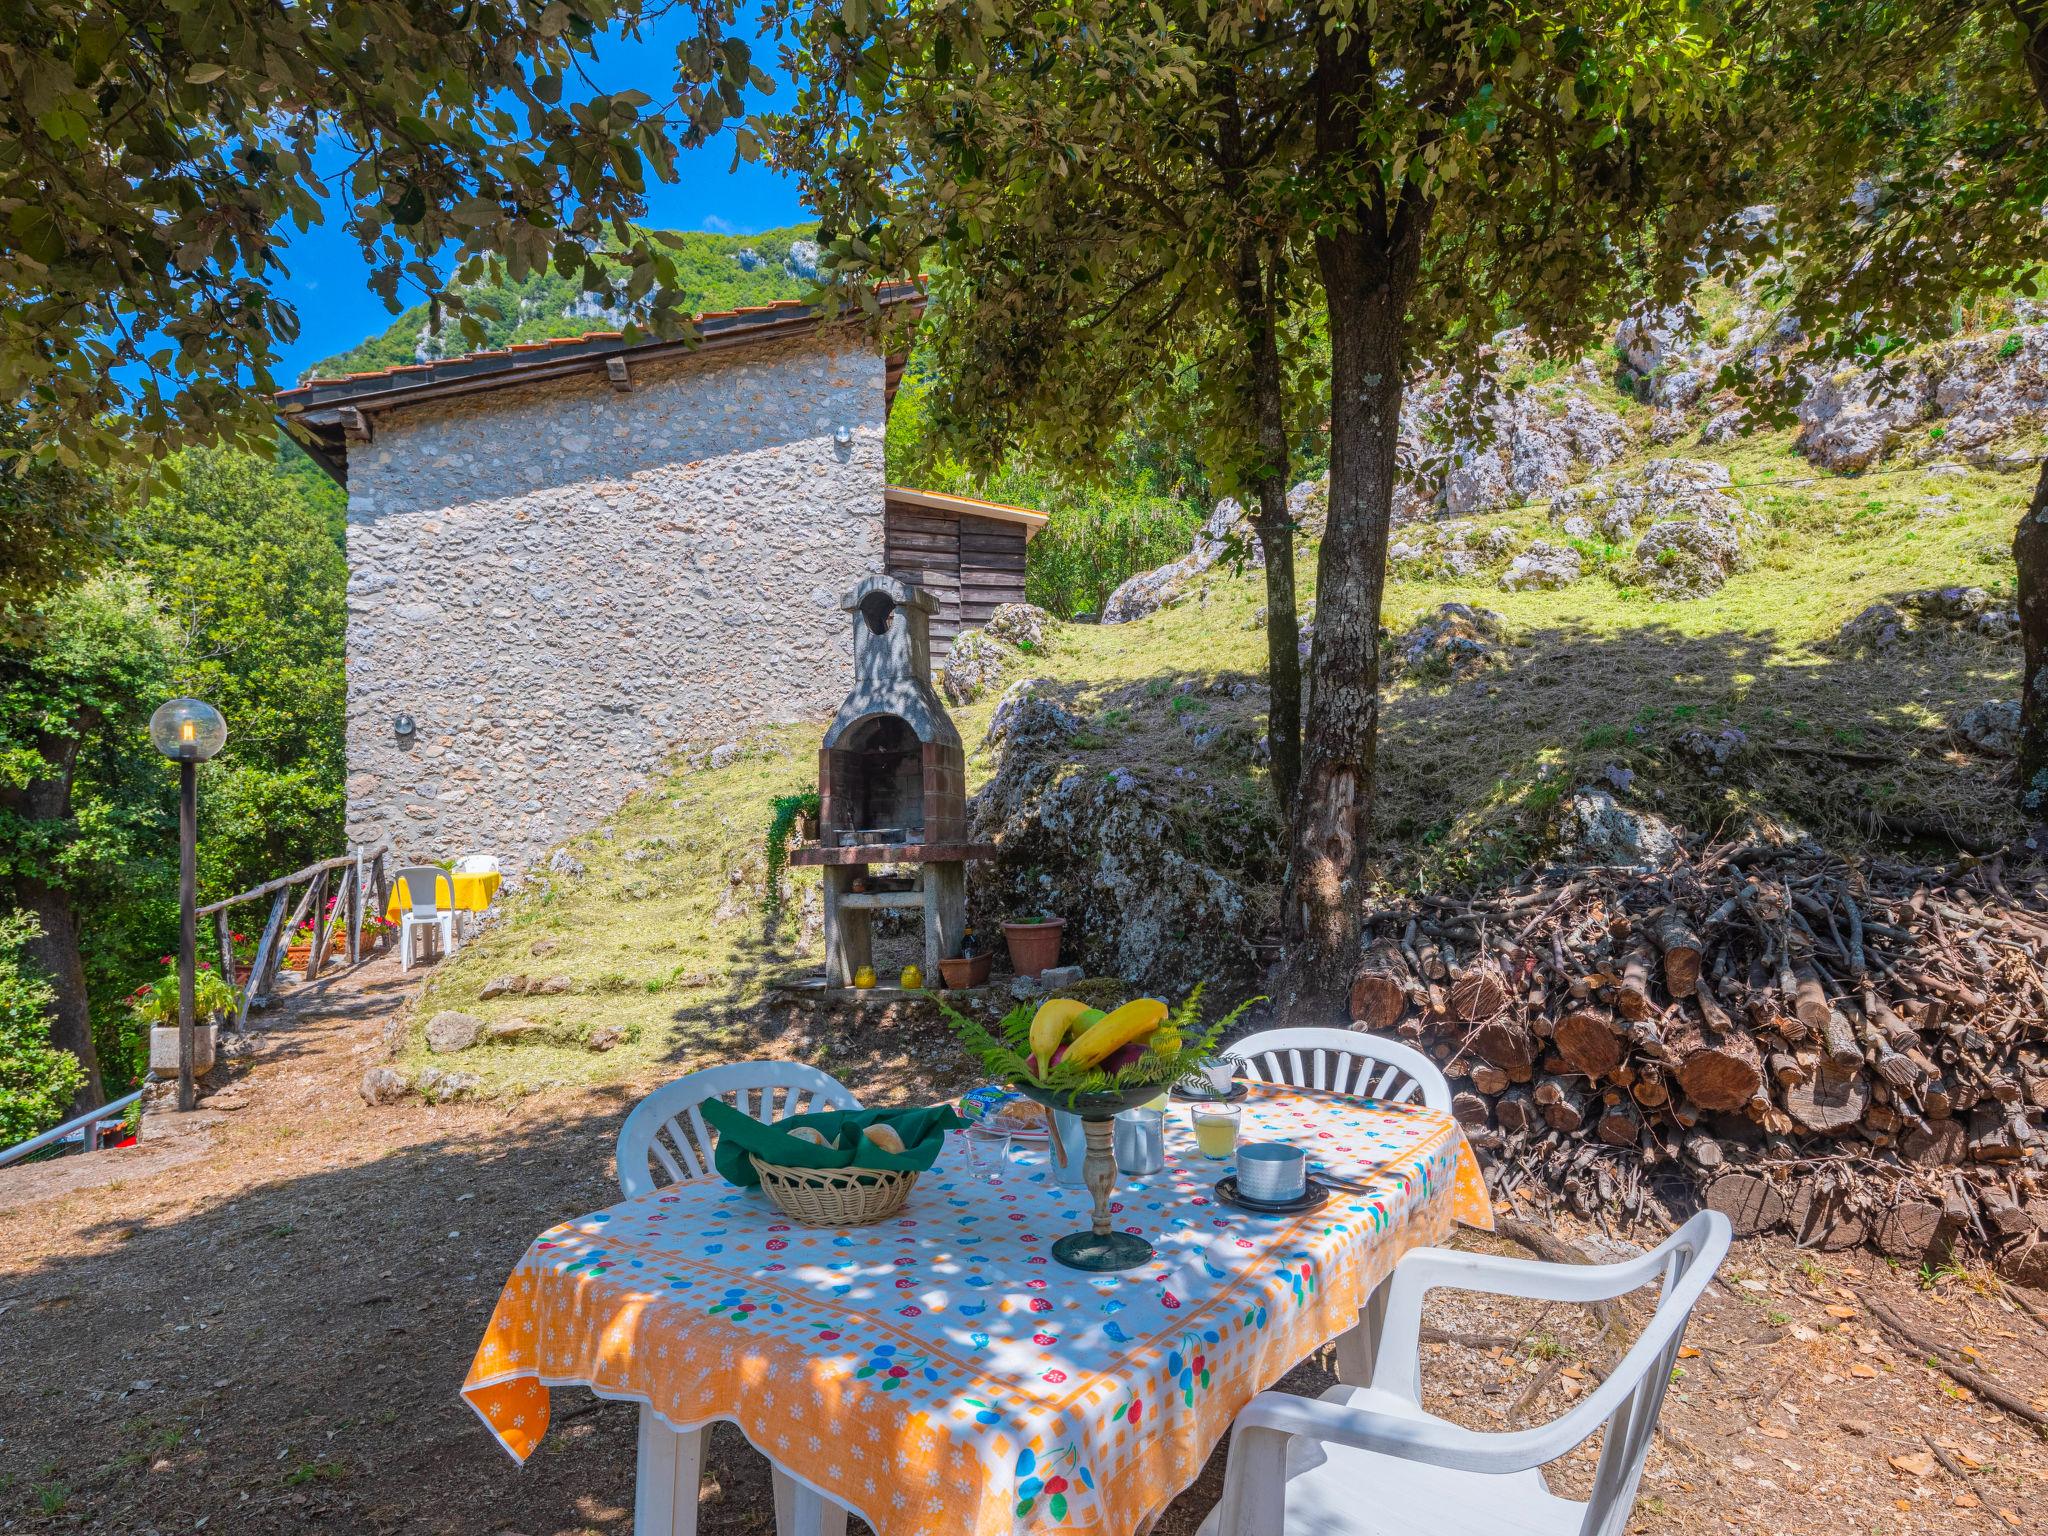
pixel 1452 168
pixel 1904 144
pixel 153 157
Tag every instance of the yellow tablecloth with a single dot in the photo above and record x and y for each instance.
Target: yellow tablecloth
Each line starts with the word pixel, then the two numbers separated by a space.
pixel 472 893
pixel 939 1371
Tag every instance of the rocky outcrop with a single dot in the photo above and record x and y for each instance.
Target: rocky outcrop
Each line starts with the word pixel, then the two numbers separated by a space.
pixel 973 667
pixel 1541 439
pixel 1595 828
pixel 1992 728
pixel 1228 529
pixel 1025 625
pixel 1930 613
pixel 1541 567
pixel 1682 515
pixel 1452 641
pixel 1156 872
pixel 1966 396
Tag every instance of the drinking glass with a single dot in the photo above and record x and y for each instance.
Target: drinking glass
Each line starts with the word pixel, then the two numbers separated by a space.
pixel 1215 1129
pixel 988 1153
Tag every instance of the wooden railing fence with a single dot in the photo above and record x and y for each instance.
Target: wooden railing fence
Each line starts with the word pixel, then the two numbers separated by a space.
pixel 361 888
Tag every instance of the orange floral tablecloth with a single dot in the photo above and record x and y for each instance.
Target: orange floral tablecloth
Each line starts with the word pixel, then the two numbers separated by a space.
pixel 939 1371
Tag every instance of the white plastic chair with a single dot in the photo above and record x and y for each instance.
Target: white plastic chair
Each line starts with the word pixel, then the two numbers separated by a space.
pixel 1343 1061
pixel 476 864
pixel 422 909
pixel 1368 1461
pixel 668 1129
pixel 1367 1067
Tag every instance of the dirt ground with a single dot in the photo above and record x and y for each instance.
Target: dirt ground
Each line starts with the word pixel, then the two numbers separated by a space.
pixel 258 1322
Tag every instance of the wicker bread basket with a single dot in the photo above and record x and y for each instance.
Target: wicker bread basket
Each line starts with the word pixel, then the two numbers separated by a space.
pixel 835 1197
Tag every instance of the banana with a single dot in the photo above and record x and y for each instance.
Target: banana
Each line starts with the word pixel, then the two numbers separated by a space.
pixel 1115 1030
pixel 1050 1024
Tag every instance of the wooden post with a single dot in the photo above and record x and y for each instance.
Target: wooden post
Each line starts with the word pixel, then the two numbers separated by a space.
pixel 262 961
pixel 324 926
pixel 318 943
pixel 945 915
pixel 849 933
pixel 227 947
pixel 381 888
pixel 355 911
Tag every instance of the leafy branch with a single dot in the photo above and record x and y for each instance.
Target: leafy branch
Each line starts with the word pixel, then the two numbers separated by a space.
pixel 1179 1046
pixel 785 810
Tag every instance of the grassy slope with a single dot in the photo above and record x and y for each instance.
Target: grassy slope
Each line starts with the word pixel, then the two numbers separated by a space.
pixel 663 932
pixel 532 310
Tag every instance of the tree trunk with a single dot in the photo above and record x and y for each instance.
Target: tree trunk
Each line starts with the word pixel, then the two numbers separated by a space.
pixel 1268 485
pixel 2030 560
pixel 1369 256
pixel 1258 302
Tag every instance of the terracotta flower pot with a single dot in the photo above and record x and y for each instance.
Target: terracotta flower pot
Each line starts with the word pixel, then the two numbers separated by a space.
pixel 969 971
pixel 1034 946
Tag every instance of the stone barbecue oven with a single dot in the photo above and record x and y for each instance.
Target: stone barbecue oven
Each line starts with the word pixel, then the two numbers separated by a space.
pixel 891 770
pixel 892 788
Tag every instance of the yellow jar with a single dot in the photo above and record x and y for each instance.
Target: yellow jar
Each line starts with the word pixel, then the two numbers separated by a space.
pixel 864 977
pixel 912 978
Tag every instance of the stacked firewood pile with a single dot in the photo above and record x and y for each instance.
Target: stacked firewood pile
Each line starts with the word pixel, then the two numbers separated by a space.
pixel 1854 1052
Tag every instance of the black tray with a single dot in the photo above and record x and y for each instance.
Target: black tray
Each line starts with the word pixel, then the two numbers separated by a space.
pixel 1312 1196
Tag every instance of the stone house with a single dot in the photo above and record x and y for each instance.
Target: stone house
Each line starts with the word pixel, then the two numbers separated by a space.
pixel 568 559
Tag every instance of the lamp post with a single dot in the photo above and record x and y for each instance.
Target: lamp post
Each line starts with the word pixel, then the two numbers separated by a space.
pixel 188 732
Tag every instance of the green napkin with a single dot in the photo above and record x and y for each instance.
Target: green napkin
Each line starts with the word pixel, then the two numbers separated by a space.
pixel 923 1130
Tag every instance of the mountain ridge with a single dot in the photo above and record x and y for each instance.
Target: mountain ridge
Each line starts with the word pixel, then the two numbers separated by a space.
pixel 719 272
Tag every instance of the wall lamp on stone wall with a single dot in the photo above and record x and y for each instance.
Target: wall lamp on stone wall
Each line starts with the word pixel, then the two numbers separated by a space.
pixel 843 436
pixel 404 729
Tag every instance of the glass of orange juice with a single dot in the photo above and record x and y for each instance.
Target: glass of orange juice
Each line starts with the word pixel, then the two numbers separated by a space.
pixel 1215 1128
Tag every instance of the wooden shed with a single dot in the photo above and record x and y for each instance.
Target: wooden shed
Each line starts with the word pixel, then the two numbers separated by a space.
pixel 967 553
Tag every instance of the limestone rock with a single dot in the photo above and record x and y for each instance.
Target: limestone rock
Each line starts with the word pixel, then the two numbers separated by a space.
pixel 606 1037
pixel 1928 614
pixel 1054 977
pixel 1027 719
pixel 449 1031
pixel 1966 395
pixel 1228 531
pixel 1689 557
pixel 725 754
pixel 540 949
pixel 1308 504
pixel 383 1085
pixel 1541 438
pixel 1453 641
pixel 1594 828
pixel 438 1085
pixel 1024 625
pixel 1542 567
pixel 502 986
pixel 974 666
pixel 563 862
pixel 1725 426
pixel 553 986
pixel 1155 874
pixel 1435 551
pixel 1992 728
pixel 1712 751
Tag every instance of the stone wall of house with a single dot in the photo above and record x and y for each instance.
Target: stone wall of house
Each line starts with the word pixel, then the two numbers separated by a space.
pixel 561 583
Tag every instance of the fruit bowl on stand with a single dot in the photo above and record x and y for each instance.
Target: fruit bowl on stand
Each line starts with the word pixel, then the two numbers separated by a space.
pixel 1080 1060
pixel 1100 1248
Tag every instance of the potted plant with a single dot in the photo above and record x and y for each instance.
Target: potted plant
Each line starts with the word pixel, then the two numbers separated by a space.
pixel 155 1003
pixel 1034 940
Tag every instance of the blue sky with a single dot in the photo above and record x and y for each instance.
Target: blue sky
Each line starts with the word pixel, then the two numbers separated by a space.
pixel 328 283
